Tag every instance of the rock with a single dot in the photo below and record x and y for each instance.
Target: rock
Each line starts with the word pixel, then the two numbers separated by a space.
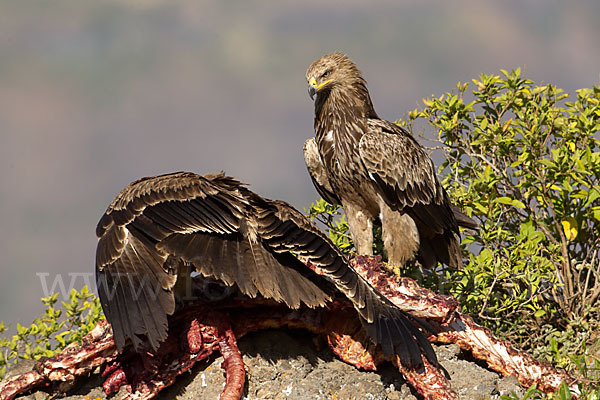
pixel 21 367
pixel 468 378
pixel 287 365
pixel 508 386
pixel 296 365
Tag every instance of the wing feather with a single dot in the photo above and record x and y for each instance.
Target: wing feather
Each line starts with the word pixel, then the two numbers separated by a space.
pixel 404 176
pixel 134 291
pixel 317 172
pixel 156 223
pixel 403 173
pixel 225 231
pixel 386 323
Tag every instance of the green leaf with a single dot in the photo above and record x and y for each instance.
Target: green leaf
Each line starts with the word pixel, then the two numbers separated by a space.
pixel 563 392
pixel 21 330
pixel 504 200
pixel 554 345
pixel 570 228
pixel 548 163
pixel 593 194
pixel 518 204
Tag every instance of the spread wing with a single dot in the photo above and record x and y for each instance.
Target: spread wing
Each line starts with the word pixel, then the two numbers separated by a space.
pixel 284 229
pixel 156 224
pixel 316 169
pixel 226 231
pixel 404 175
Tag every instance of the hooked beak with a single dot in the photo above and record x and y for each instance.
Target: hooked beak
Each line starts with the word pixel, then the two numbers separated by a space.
pixel 313 87
pixel 311 91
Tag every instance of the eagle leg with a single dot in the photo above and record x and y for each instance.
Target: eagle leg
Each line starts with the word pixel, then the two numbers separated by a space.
pixel 400 236
pixel 361 229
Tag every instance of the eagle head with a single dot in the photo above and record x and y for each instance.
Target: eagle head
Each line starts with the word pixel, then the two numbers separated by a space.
pixel 329 71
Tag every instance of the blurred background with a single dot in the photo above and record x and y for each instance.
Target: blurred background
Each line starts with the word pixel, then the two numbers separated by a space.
pixel 95 94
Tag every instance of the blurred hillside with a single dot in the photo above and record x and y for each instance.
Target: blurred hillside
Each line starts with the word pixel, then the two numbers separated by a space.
pixel 96 94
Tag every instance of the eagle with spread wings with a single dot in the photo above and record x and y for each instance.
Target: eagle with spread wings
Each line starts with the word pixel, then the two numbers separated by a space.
pixel 157 229
pixel 375 169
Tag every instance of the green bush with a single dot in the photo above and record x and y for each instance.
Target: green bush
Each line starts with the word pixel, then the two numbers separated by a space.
pixel 53 331
pixel 563 393
pixel 334 220
pixel 524 160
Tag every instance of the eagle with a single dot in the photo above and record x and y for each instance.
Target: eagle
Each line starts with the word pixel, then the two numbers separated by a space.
pixel 376 170
pixel 158 229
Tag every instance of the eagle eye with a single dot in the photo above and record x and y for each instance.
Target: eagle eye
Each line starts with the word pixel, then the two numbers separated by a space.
pixel 326 73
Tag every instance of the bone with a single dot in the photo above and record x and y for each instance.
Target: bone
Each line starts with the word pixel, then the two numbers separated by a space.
pixel 198 330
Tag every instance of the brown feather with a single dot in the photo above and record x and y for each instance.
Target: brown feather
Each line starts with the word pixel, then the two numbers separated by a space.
pixel 386 324
pixel 223 230
pixel 318 175
pixel 155 224
pixel 367 164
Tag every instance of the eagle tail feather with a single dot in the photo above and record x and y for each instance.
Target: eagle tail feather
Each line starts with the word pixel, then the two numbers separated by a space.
pixel 463 219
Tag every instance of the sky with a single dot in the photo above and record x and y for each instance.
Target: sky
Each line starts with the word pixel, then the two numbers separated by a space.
pixel 94 95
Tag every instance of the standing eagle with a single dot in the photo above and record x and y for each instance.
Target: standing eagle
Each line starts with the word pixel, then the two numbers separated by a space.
pixel 375 169
pixel 158 227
